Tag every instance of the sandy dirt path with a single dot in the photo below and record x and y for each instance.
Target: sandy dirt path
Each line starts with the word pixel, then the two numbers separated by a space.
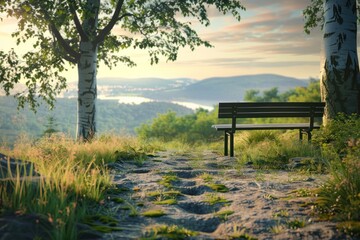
pixel 252 204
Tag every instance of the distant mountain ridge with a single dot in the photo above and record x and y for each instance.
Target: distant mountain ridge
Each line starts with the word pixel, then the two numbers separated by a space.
pixel 207 92
pixel 216 89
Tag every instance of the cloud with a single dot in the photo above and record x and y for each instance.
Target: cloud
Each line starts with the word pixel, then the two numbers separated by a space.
pixel 273 27
pixel 281 4
pixel 244 62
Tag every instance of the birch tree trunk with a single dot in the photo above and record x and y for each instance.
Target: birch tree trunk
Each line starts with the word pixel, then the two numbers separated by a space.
pixel 86 121
pixel 340 68
pixel 87 67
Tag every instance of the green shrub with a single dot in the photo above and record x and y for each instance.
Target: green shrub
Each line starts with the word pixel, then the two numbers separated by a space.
pixel 339 197
pixel 191 128
pixel 339 136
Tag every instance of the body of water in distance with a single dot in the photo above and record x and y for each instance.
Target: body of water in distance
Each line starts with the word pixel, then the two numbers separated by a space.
pixel 139 100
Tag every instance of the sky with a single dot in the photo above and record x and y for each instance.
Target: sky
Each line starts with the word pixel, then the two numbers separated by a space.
pixel 269 39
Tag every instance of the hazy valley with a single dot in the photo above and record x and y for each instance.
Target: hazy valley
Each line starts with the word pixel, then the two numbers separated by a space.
pixel 207 92
pixel 125 104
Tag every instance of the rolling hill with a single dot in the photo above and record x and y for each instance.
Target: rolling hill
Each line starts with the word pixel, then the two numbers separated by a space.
pixel 206 92
pixel 212 90
pixel 112 117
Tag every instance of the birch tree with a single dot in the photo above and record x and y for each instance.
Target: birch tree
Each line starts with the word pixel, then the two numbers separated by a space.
pixel 80 33
pixel 339 80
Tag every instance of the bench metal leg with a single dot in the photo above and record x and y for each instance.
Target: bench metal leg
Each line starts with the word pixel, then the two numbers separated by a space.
pixel 308 132
pixel 231 144
pixel 226 140
pixel 309 136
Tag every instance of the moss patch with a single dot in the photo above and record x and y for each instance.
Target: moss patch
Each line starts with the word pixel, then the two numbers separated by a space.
pixel 168 180
pixel 102 223
pixel 296 223
pixel 153 213
pixel 168 232
pixel 165 195
pixel 170 201
pixel 206 177
pixel 218 187
pixel 215 198
pixel 224 214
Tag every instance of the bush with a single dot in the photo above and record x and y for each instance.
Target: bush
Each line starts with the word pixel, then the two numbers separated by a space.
pixel 194 128
pixel 339 198
pixel 339 136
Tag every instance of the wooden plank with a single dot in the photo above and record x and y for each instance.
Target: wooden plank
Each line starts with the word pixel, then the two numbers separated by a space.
pixel 270 109
pixel 271 104
pixel 269 114
pixel 251 110
pixel 273 114
pixel 273 126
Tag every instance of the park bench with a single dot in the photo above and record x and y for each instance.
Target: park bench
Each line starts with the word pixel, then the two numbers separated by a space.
pixel 236 110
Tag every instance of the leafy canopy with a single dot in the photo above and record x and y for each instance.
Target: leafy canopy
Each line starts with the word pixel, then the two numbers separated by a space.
pixel 55 28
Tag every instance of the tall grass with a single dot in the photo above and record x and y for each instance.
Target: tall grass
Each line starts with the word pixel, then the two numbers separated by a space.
pixel 73 177
pixel 273 149
pixel 339 197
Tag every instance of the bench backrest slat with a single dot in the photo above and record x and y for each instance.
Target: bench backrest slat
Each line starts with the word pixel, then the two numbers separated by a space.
pixel 271 104
pixel 270 109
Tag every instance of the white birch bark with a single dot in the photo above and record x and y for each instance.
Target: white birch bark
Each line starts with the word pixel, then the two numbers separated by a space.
pixel 339 67
pixel 87 67
pixel 86 122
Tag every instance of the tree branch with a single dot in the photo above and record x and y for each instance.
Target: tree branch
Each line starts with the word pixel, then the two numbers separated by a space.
pixel 75 55
pixel 114 19
pixel 63 43
pixel 79 28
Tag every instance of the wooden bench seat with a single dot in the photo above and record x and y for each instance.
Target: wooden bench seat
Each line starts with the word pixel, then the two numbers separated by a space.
pixel 236 110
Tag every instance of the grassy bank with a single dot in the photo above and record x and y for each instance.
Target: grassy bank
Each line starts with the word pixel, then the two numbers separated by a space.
pixel 72 182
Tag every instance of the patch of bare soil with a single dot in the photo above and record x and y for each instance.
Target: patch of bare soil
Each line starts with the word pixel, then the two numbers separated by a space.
pixel 213 198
